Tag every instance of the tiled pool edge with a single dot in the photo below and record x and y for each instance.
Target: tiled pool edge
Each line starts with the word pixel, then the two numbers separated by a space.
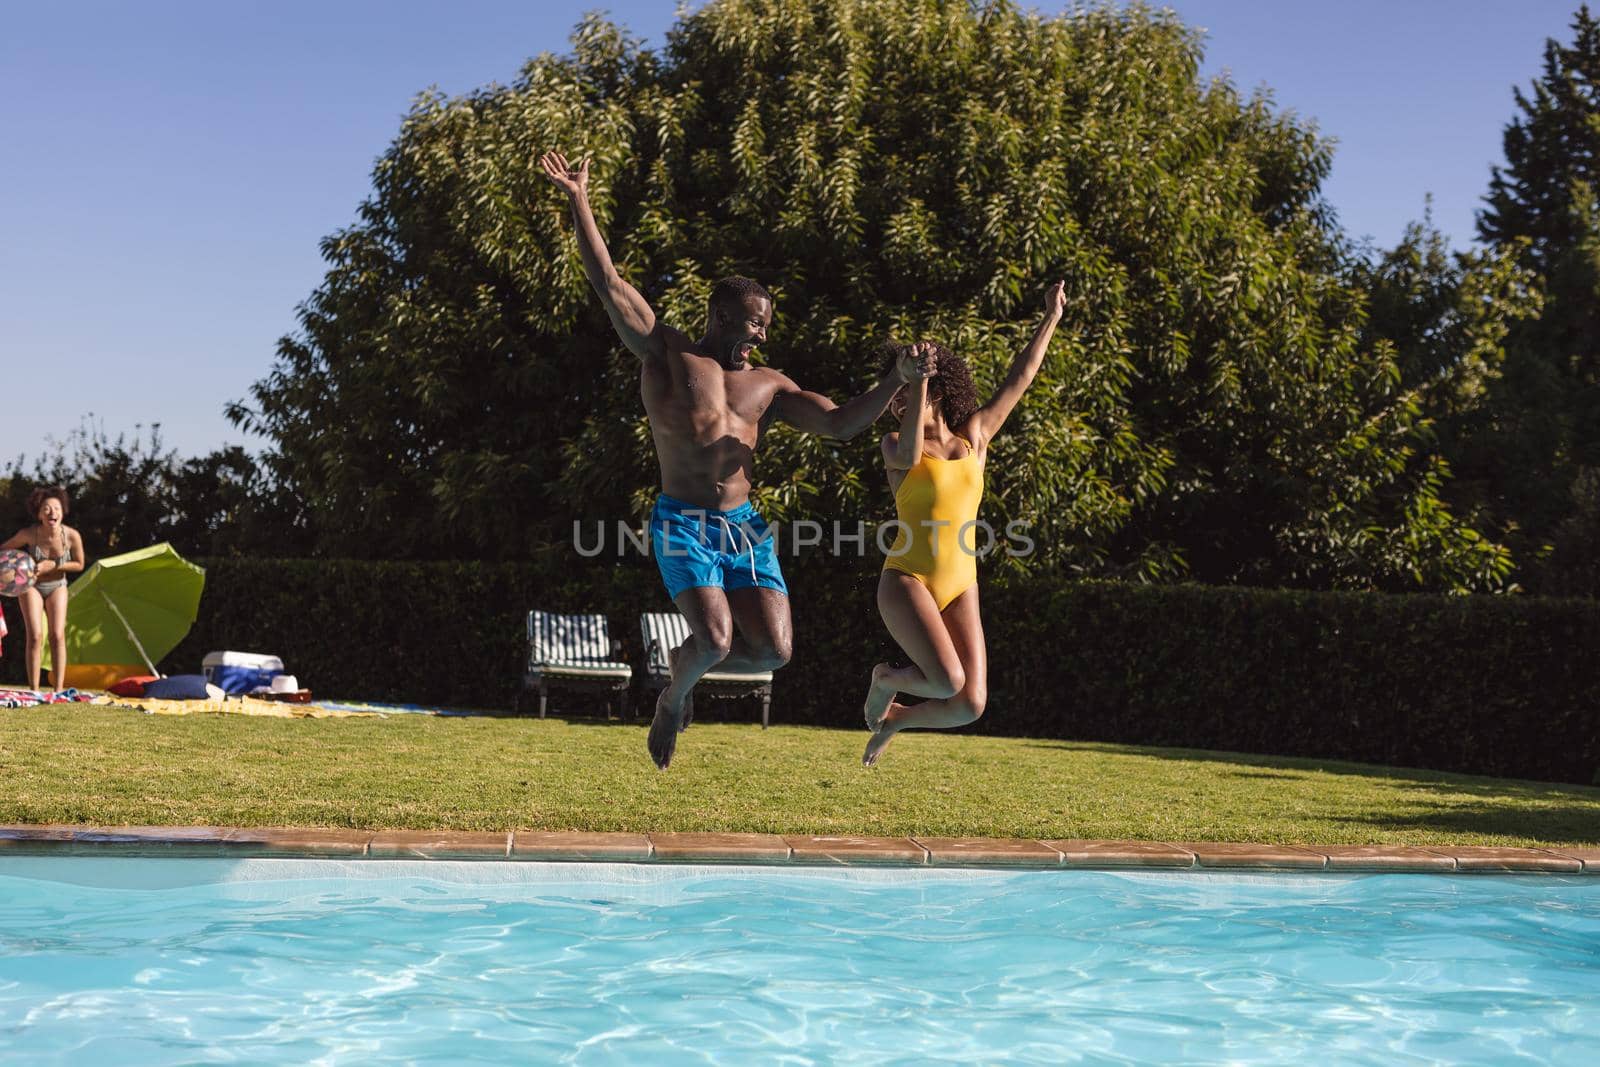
pixel 787 850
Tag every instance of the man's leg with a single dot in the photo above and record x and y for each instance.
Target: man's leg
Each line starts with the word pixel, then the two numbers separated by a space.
pixel 759 600
pixel 710 639
pixel 763 637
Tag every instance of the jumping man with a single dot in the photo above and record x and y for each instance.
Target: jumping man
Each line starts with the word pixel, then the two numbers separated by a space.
pixel 708 406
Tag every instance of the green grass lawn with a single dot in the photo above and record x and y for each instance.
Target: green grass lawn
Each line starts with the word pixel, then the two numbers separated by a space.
pixel 112 766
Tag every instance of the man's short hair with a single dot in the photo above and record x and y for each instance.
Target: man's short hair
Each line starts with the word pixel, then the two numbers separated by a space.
pixel 731 291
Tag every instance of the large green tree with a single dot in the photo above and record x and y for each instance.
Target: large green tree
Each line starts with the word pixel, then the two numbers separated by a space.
pixel 1536 448
pixel 1214 406
pixel 1447 316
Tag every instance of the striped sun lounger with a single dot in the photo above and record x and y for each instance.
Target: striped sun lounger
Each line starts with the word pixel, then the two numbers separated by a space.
pixel 574 651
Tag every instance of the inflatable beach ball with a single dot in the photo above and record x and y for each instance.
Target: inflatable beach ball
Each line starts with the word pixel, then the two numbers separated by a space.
pixel 16 571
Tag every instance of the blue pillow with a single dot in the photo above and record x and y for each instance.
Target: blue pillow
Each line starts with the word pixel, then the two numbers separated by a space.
pixel 178 687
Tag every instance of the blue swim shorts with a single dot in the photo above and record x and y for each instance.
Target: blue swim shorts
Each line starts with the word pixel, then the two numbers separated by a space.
pixel 696 546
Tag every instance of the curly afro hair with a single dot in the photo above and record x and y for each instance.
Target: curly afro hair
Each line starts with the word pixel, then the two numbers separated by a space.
pixel 37 498
pixel 951 386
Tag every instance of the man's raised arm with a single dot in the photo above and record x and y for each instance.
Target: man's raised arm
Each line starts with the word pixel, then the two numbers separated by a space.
pixel 815 413
pixel 630 315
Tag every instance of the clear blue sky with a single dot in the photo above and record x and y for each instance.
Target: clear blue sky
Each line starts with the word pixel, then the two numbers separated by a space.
pixel 169 167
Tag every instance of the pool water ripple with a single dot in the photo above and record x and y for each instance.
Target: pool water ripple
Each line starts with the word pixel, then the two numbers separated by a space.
pixel 370 962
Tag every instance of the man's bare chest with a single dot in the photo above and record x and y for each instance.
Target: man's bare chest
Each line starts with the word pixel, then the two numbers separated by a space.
pixel 706 392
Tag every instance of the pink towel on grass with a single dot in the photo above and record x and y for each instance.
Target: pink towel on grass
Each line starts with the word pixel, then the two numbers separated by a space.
pixel 31 698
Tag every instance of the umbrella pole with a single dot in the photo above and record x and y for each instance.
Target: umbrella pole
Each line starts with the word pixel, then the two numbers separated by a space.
pixel 129 631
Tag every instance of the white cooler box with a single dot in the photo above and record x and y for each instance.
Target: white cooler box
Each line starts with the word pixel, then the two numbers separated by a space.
pixel 239 672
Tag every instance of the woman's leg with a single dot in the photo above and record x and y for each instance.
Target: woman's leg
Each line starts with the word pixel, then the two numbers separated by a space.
pixel 55 615
pixel 31 604
pixel 912 617
pixel 964 627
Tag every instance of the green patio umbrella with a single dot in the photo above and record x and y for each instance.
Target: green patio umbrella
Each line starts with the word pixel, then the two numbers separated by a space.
pixel 132 608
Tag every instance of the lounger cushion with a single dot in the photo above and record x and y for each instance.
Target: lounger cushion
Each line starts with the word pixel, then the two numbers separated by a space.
pixel 581 670
pixel 719 678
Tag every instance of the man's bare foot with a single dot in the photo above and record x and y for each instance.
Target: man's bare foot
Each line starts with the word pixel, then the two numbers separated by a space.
pixel 663 739
pixel 875 745
pixel 878 698
pixel 686 715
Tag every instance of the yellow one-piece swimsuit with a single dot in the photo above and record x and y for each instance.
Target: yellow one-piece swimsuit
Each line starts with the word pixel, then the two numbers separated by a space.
pixel 942 557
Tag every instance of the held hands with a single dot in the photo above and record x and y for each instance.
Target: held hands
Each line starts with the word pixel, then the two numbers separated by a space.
pixel 574 181
pixel 916 361
pixel 1055 301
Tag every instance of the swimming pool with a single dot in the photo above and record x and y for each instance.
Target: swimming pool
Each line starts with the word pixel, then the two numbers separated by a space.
pixel 130 961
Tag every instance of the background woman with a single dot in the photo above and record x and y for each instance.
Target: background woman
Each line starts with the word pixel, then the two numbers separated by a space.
pixel 57 551
pixel 928 591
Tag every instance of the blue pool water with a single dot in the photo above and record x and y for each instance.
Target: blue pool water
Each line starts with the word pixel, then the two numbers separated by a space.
pixel 116 961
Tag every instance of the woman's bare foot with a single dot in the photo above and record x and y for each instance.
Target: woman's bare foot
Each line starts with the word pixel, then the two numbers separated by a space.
pixel 875 745
pixel 878 698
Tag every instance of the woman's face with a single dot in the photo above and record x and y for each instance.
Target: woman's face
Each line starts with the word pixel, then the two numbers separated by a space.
pixel 897 406
pixel 50 512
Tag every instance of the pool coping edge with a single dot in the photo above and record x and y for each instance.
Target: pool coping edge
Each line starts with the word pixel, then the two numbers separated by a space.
pixel 784 849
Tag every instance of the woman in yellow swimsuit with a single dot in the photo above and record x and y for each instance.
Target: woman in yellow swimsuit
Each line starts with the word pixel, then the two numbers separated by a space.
pixel 928 591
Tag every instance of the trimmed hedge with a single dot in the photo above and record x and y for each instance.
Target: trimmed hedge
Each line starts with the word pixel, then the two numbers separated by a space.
pixel 1487 685
pixel 1490 685
pixel 1484 685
